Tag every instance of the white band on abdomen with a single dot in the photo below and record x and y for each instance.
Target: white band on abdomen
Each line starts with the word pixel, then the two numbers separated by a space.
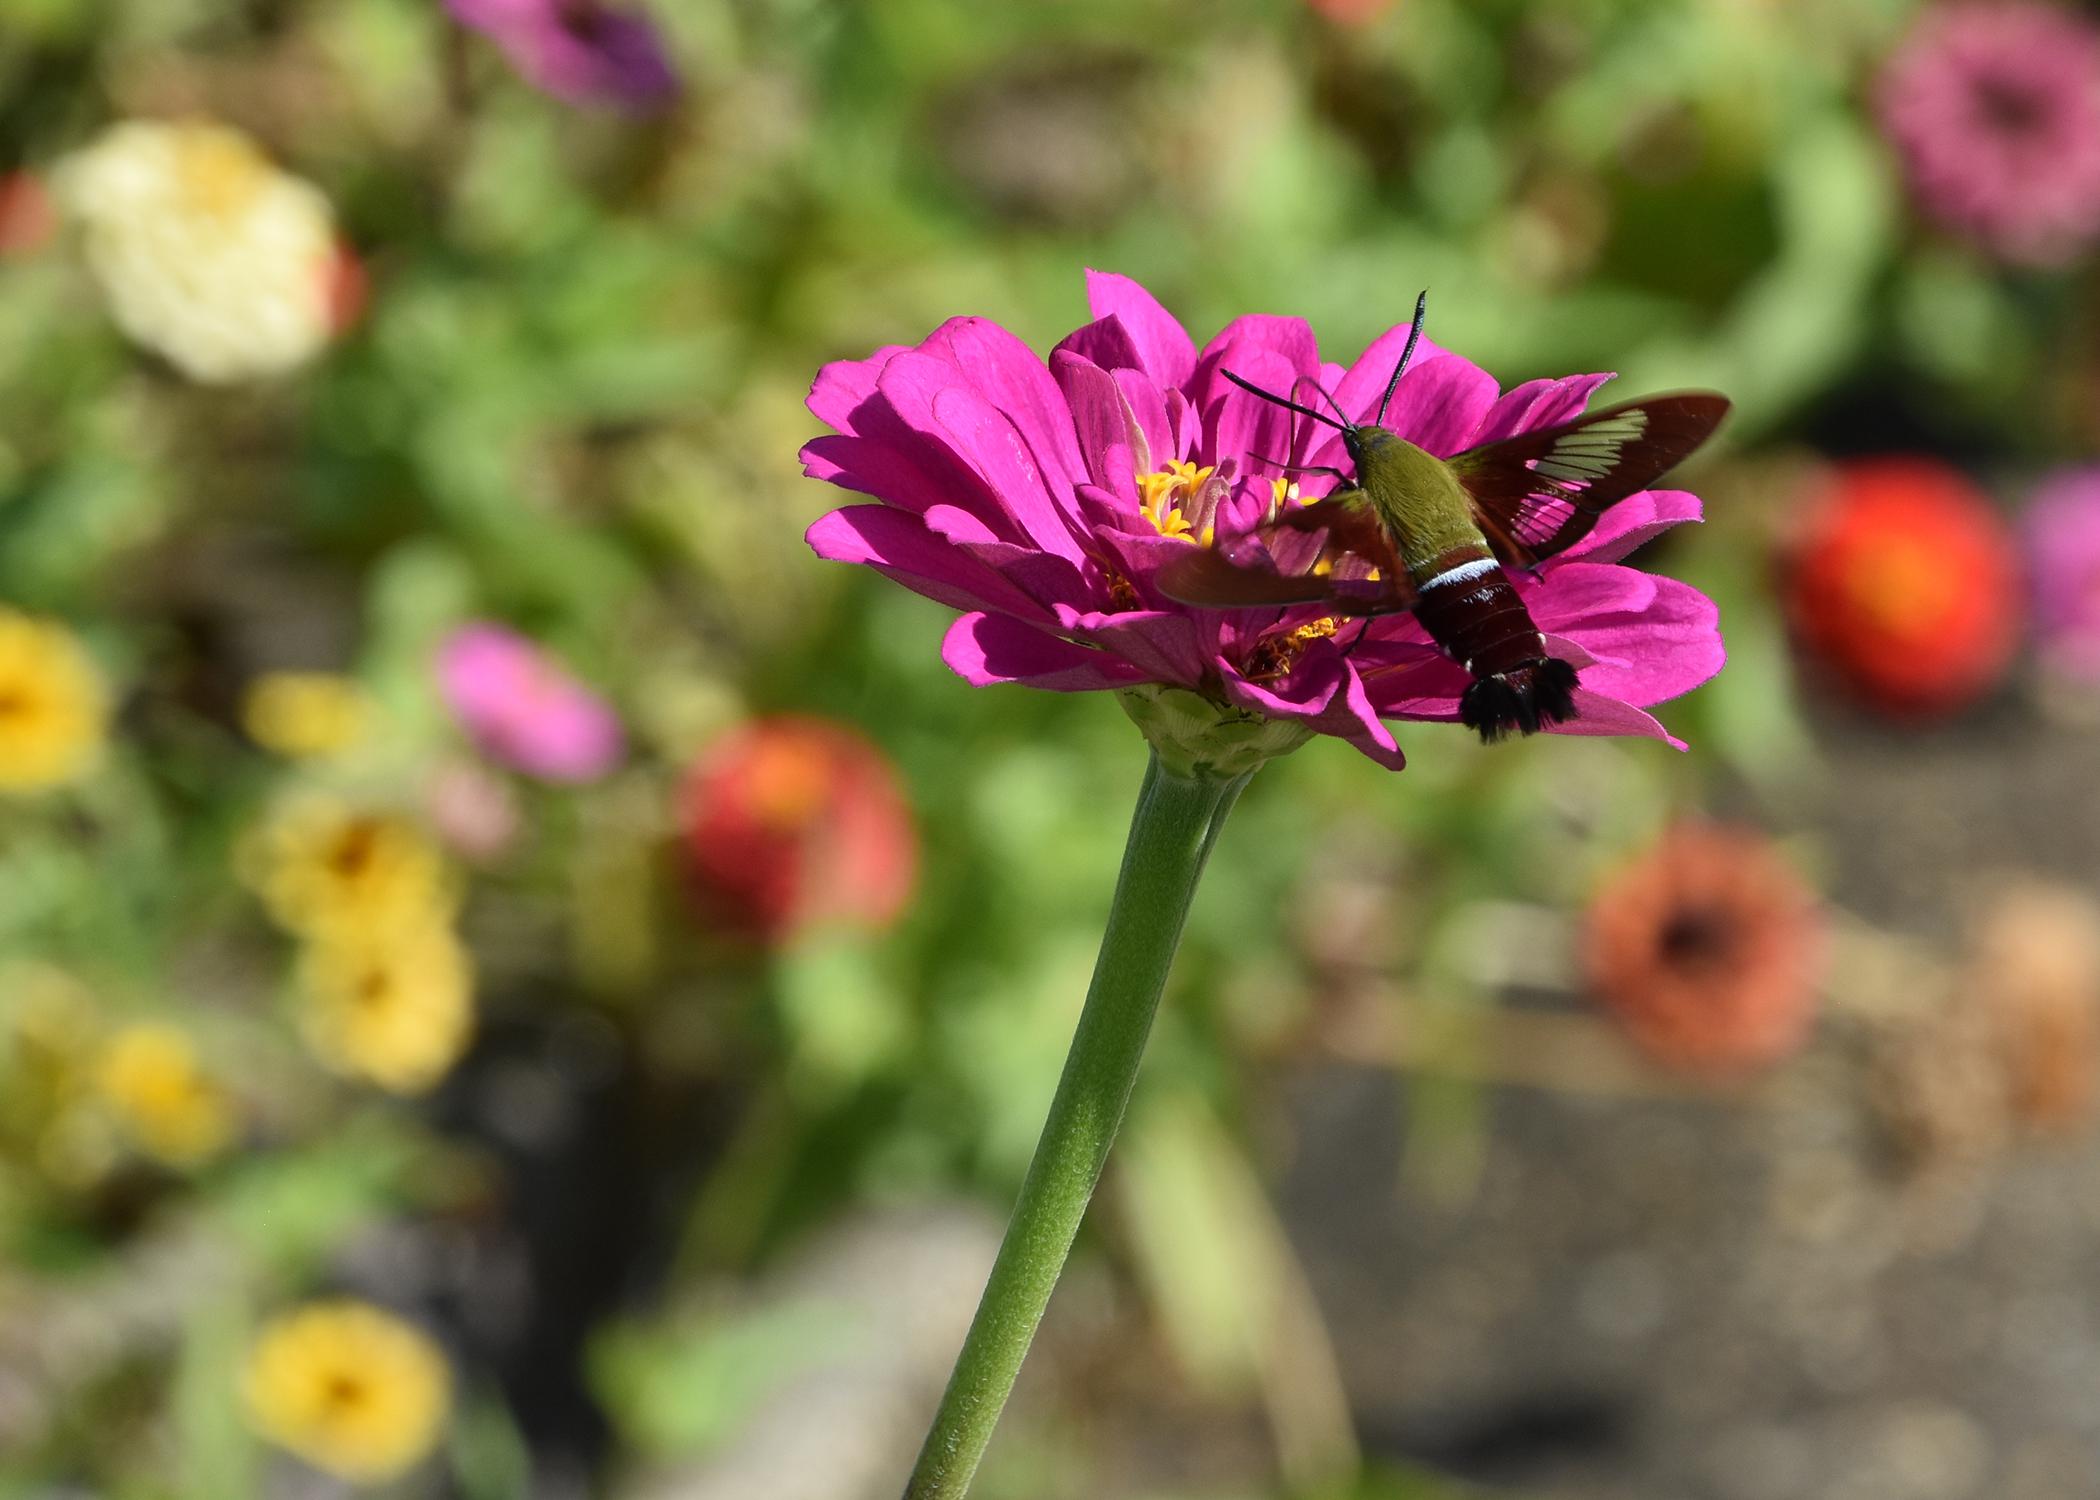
pixel 1463 572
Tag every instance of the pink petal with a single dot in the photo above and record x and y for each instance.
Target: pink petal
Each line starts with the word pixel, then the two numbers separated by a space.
pixel 1238 423
pixel 1109 436
pixel 1148 405
pixel 1535 404
pixel 1633 522
pixel 1598 715
pixel 844 384
pixel 1166 647
pixel 900 475
pixel 1006 373
pixel 985 649
pixel 1352 717
pixel 1669 647
pixel 1440 402
pixel 1291 339
pixel 973 445
pixel 1165 351
pixel 1359 389
pixel 1305 694
pixel 1576 594
pixel 896 544
pixel 1104 342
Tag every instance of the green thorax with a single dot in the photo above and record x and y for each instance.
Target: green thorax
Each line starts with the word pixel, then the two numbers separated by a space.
pixel 1419 502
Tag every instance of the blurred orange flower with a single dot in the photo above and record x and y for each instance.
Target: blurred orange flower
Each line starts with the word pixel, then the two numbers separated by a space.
pixel 1707 948
pixel 1904 582
pixel 793 822
pixel 2034 966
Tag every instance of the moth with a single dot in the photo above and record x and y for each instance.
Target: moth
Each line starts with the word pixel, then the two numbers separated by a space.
pixel 1439 537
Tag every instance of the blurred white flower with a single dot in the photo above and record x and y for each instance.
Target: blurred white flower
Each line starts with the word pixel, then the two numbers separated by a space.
pixel 209 255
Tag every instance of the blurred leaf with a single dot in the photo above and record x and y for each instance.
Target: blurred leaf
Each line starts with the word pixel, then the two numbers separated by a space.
pixel 218 1454
pixel 679 1390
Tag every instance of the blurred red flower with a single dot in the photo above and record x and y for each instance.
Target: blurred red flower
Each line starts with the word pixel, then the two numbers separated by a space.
pixel 349 288
pixel 28 219
pixel 1707 949
pixel 795 822
pixel 1904 581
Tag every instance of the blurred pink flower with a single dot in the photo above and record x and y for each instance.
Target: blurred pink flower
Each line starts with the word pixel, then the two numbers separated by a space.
pixel 1350 12
pixel 1042 502
pixel 471 809
pixel 1995 109
pixel 580 51
pixel 523 708
pixel 2061 532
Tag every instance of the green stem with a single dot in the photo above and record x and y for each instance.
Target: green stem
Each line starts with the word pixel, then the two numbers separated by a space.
pixel 1176 822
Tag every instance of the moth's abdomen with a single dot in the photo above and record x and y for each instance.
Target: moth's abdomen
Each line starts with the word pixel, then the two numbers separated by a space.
pixel 1469 608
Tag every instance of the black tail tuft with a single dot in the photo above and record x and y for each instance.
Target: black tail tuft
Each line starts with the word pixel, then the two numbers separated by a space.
pixel 1527 699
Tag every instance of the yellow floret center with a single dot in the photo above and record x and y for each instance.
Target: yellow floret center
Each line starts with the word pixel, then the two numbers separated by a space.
pixel 1276 656
pixel 1167 495
pixel 219 171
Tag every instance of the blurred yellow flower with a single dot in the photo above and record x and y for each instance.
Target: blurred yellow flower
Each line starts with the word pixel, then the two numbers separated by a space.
pixel 352 1390
pixel 152 1081
pixel 306 714
pixel 325 869
pixel 52 1038
pixel 396 1011
pixel 54 710
pixel 209 255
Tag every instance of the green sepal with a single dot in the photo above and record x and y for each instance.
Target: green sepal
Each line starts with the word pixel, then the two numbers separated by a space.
pixel 1197 739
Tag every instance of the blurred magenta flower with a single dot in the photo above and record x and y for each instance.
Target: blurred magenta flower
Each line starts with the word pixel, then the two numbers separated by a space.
pixel 1042 502
pixel 580 51
pixel 523 708
pixel 1902 580
pixel 2061 531
pixel 793 822
pixel 1995 109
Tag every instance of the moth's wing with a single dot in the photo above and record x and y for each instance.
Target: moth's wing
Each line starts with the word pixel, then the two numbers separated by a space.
pixel 1539 493
pixel 1210 579
pixel 1206 578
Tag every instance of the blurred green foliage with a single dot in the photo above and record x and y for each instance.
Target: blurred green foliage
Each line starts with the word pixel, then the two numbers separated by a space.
pixel 573 403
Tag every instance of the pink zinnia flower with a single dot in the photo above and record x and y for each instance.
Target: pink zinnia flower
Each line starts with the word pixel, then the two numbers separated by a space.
pixel 2061 530
pixel 1043 501
pixel 523 709
pixel 580 51
pixel 1995 109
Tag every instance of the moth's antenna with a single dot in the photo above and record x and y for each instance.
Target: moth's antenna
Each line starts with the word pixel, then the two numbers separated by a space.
pixel 1414 336
pixel 1332 404
pixel 1304 411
